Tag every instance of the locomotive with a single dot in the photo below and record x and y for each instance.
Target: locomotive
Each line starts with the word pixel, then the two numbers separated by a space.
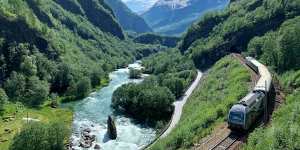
pixel 243 114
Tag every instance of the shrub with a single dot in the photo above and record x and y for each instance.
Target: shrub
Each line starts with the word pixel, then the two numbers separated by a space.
pixel 40 136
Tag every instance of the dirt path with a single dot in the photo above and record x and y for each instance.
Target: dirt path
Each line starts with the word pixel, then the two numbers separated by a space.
pixel 180 103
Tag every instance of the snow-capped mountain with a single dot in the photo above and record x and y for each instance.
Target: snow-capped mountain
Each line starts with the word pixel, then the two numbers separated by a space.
pixel 139 6
pixel 172 17
pixel 172 4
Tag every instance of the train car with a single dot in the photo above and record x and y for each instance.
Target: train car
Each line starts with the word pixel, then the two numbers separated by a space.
pixel 243 114
pixel 265 81
pixel 251 65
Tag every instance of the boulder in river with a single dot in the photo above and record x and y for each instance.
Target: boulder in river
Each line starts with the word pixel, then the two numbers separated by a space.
pixel 97 147
pixel 111 128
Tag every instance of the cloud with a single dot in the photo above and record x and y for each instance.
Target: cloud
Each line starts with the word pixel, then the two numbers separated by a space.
pixel 139 6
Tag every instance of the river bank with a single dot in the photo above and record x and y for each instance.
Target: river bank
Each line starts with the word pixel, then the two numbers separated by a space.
pixel 91 114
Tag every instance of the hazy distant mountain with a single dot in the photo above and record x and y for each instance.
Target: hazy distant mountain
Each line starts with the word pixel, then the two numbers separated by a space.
pixel 139 6
pixel 174 16
pixel 128 19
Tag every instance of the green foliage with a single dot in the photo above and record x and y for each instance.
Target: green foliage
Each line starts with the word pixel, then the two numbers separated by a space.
pixel 291 79
pixel 225 84
pixel 31 91
pixel 96 77
pixel 3 99
pixel 172 69
pixel 176 85
pixel 37 91
pixel 15 86
pixel 37 136
pixel 83 87
pixel 144 102
pixel 150 38
pixel 61 43
pixel 230 30
pixel 280 49
pixel 285 130
pixel 135 73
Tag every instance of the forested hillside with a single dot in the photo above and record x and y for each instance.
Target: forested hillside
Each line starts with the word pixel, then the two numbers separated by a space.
pixel 265 29
pixel 151 38
pixel 231 30
pixel 60 46
pixel 128 19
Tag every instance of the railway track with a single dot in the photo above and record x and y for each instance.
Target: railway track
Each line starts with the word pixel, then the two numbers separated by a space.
pixel 227 142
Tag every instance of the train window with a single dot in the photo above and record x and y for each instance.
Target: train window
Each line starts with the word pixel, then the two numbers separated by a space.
pixel 237 117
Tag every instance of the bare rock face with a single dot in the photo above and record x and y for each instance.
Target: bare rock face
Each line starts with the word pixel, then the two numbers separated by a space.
pixel 111 128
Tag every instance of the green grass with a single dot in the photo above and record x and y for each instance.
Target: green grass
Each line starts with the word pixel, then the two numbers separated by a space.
pixel 284 131
pixel 226 83
pixel 44 114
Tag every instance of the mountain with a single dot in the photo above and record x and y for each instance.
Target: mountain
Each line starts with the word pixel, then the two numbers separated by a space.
pixel 267 30
pixel 174 16
pixel 58 46
pixel 128 20
pixel 139 6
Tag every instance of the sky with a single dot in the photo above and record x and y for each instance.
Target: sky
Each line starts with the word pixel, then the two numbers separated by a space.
pixel 139 6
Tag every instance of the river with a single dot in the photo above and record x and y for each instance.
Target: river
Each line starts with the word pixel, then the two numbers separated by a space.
pixel 92 113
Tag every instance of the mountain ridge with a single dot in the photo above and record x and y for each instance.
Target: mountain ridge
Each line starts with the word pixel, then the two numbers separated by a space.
pixel 128 19
pixel 173 17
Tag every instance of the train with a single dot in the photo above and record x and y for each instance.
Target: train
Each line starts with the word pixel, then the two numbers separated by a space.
pixel 246 112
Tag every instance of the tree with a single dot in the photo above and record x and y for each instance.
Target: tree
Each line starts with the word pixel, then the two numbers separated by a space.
pixel 36 91
pixel 175 85
pixel 3 99
pixel 83 87
pixel 144 102
pixel 28 66
pixel 40 136
pixel 15 86
pixel 96 77
pixel 62 79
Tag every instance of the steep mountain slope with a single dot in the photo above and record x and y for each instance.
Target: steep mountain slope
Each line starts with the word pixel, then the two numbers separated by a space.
pixel 128 19
pixel 174 16
pixel 265 29
pixel 58 46
pixel 220 33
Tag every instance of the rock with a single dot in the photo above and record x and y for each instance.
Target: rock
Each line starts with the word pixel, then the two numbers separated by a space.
pixel 97 147
pixel 88 130
pixel 85 144
pixel 111 128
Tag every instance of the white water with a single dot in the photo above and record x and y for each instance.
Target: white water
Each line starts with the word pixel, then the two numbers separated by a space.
pixel 92 112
